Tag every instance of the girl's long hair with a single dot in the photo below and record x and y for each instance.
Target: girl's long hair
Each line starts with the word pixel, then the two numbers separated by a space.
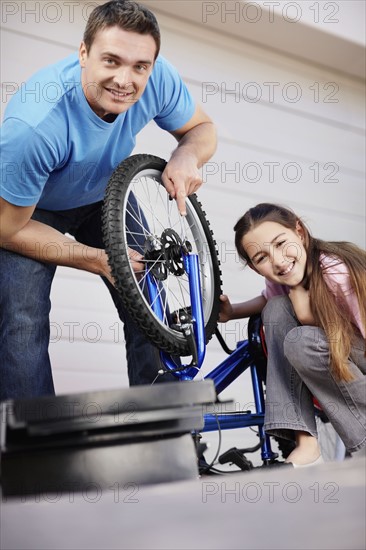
pixel 328 312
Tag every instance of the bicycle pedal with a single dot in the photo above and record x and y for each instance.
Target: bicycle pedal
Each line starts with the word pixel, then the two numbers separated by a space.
pixel 235 456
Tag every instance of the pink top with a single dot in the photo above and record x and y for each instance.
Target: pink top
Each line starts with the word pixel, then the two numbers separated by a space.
pixel 336 276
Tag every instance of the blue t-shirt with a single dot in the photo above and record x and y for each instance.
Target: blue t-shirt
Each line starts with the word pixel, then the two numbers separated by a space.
pixel 57 153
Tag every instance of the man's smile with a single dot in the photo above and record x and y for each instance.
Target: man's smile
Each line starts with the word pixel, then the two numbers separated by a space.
pixel 119 95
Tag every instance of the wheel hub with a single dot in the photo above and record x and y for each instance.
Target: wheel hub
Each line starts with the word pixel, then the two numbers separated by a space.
pixel 165 254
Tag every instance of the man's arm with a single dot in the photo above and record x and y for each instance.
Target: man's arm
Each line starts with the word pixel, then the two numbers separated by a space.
pixel 12 219
pixel 197 143
pixel 43 243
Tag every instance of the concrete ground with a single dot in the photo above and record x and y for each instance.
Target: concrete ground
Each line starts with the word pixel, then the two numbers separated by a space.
pixel 322 507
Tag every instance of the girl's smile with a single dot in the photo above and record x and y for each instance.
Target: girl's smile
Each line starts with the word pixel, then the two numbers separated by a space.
pixel 288 270
pixel 277 252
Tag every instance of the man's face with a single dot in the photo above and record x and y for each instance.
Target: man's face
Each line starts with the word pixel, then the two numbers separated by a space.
pixel 116 69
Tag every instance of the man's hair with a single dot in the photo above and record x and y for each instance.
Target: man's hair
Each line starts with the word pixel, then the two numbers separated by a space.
pixel 126 14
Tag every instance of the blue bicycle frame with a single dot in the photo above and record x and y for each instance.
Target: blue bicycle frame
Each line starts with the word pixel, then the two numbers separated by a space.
pixel 225 373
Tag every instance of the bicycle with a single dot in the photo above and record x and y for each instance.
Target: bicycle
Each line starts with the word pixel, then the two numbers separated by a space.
pixel 175 300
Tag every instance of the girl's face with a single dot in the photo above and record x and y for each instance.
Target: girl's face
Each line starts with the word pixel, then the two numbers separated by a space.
pixel 277 252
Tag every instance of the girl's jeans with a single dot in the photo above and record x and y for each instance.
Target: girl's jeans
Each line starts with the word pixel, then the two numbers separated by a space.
pixel 25 284
pixel 298 369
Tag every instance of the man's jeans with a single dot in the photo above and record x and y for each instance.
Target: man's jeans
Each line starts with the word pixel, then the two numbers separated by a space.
pixel 25 284
pixel 298 369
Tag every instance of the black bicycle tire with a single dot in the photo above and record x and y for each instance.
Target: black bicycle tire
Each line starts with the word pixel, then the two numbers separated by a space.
pixel 165 339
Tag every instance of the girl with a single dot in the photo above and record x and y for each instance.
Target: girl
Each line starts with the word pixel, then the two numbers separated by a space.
pixel 314 319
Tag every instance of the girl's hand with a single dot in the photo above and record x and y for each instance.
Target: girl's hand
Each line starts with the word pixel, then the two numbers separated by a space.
pixel 226 309
pixel 300 299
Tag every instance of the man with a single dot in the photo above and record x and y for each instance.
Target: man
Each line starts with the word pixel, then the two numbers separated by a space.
pixel 56 161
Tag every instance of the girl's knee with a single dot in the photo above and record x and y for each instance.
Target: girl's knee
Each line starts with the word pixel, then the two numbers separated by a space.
pixel 299 342
pixel 276 308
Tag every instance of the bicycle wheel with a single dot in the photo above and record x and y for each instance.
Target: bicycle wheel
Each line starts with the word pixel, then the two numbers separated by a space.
pixel 139 214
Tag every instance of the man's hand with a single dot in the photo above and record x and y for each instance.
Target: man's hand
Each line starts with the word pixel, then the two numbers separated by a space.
pixel 137 265
pixel 181 178
pixel 137 261
pixel 196 144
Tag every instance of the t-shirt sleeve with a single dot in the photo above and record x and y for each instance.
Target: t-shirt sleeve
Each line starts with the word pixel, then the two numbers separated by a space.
pixel 177 104
pixel 27 159
pixel 274 289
